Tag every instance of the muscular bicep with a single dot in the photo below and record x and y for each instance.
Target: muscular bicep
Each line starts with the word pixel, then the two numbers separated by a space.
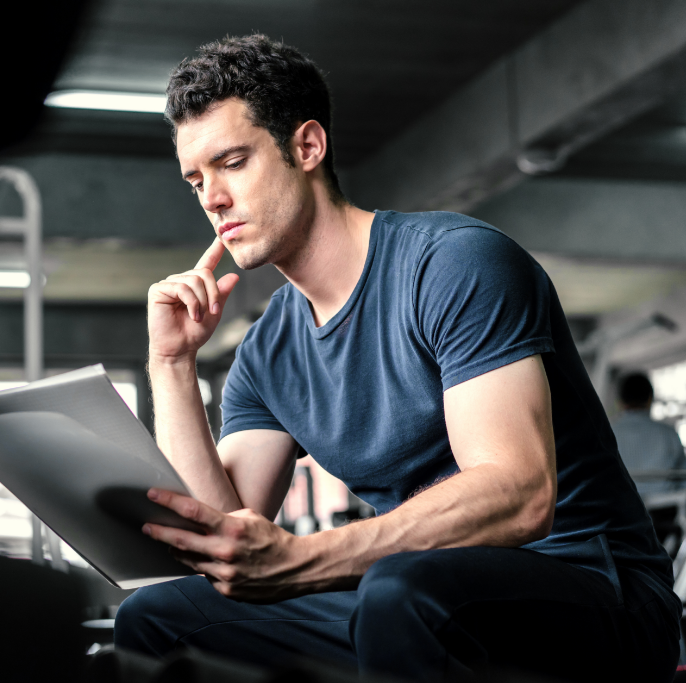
pixel 503 420
pixel 260 464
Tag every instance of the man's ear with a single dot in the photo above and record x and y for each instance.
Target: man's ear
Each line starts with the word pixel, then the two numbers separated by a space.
pixel 309 142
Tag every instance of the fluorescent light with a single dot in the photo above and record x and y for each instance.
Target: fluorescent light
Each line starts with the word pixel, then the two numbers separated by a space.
pixel 15 278
pixel 110 101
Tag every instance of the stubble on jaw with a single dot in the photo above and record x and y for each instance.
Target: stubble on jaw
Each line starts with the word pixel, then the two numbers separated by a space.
pixel 283 238
pixel 282 249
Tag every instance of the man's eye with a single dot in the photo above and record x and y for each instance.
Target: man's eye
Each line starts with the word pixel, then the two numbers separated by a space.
pixel 236 164
pixel 196 188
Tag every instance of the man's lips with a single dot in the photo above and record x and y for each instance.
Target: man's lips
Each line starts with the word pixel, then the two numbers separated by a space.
pixel 227 231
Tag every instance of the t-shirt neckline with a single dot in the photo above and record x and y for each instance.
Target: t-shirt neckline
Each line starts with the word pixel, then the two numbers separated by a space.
pixel 331 325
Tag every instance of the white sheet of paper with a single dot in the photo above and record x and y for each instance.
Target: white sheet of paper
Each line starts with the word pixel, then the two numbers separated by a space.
pixel 75 455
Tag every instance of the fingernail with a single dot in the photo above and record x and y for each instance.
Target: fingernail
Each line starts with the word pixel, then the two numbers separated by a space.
pixel 153 494
pixel 146 529
pixel 215 308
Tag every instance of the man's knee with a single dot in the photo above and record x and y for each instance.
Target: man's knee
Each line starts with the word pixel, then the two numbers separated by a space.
pixel 399 611
pixel 391 578
pixel 426 585
pixel 405 575
pixel 133 616
pixel 397 587
pixel 154 618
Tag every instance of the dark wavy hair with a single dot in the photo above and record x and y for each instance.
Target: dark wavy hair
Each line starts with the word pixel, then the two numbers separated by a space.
pixel 281 88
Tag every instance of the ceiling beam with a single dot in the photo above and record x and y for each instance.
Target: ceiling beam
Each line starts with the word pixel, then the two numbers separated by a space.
pixel 640 221
pixel 657 346
pixel 602 64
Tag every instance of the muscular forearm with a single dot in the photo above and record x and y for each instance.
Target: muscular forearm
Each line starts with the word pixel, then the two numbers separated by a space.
pixel 500 430
pixel 472 508
pixel 183 433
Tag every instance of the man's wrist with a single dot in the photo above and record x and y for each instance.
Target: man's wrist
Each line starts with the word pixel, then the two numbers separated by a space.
pixel 335 559
pixel 156 360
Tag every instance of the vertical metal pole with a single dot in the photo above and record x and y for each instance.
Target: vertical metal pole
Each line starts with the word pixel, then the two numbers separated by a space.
pixel 30 227
pixel 310 492
pixel 37 540
pixel 33 294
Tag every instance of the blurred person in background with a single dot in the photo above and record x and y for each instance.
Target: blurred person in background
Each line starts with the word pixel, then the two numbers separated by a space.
pixel 645 444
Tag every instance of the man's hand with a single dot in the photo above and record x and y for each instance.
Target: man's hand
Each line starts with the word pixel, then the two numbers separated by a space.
pixel 184 310
pixel 243 554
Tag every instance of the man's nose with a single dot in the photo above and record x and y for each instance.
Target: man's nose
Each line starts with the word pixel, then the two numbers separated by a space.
pixel 216 196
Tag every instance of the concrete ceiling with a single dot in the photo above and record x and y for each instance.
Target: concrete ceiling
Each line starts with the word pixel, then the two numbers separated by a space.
pixel 652 147
pixel 387 61
pixel 598 287
pixel 467 85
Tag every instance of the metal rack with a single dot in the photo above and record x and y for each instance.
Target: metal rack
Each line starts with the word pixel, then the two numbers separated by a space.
pixel 28 228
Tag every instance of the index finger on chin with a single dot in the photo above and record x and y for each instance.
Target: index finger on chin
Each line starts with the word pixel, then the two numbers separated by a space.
pixel 210 259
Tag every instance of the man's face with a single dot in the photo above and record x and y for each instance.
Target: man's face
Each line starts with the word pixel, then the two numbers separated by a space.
pixel 259 206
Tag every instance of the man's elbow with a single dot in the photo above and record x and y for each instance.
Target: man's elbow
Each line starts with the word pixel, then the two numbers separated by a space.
pixel 539 511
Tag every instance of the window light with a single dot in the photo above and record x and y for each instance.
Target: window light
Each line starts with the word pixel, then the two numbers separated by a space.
pixel 15 278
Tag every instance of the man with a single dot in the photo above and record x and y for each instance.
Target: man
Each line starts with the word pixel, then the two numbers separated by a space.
pixel 425 360
pixel 643 443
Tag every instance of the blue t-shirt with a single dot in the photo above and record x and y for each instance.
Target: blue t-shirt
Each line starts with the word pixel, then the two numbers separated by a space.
pixel 442 298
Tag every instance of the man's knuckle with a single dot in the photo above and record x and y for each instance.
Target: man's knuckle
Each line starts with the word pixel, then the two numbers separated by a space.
pixel 227 574
pixel 238 531
pixel 226 555
pixel 191 510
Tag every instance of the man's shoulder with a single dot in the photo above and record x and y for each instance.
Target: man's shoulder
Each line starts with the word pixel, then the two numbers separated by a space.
pixel 640 421
pixel 444 230
pixel 432 223
pixel 439 241
pixel 667 429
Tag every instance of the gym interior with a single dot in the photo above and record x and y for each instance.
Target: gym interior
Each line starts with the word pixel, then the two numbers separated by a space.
pixel 561 122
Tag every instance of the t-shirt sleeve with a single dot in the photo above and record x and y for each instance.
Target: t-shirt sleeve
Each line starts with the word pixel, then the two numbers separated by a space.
pixel 481 302
pixel 242 408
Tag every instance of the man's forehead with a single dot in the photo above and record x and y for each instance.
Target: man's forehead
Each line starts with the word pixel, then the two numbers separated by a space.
pixel 224 125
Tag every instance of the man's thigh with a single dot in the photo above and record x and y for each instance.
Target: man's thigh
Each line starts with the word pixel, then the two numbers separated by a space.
pixel 446 613
pixel 189 612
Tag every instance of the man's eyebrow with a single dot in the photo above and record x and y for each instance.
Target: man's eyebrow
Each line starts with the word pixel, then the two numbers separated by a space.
pixel 218 156
pixel 226 152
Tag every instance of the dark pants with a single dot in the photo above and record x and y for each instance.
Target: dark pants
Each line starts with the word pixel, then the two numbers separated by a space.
pixel 438 614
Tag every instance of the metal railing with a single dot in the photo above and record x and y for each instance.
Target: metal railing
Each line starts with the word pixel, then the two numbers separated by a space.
pixel 29 228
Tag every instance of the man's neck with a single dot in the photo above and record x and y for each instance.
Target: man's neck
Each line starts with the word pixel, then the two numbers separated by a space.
pixel 328 269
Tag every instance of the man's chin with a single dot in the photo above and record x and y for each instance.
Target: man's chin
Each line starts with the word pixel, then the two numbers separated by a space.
pixel 248 261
